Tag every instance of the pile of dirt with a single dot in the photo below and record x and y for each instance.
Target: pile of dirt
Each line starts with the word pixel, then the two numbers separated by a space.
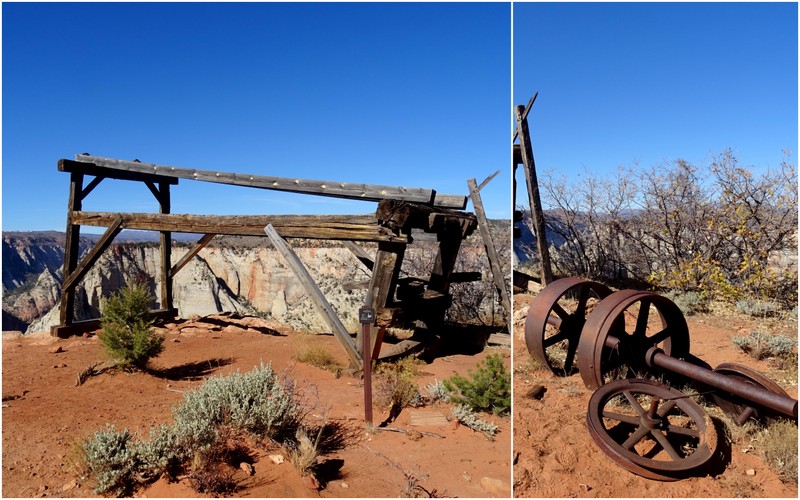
pixel 46 416
pixel 554 455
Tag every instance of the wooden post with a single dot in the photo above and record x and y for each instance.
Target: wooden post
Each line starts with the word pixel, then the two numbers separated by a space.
pixel 166 249
pixel 488 243
pixel 317 298
pixel 385 271
pixel 533 193
pixel 71 249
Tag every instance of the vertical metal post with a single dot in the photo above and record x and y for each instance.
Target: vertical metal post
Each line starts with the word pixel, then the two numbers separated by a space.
pixel 366 316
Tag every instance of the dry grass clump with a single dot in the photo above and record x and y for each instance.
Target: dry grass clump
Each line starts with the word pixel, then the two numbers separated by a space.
pixel 778 443
pixel 319 357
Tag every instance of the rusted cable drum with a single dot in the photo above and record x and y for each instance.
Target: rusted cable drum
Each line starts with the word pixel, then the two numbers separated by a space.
pixel 555 321
pixel 650 429
pixel 618 333
pixel 738 408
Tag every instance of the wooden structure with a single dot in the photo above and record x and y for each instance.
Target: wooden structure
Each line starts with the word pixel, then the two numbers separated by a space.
pixel 523 155
pixel 400 211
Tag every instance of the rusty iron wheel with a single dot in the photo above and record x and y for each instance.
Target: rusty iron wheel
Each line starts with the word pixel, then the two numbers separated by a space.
pixel 555 321
pixel 739 409
pixel 650 429
pixel 621 329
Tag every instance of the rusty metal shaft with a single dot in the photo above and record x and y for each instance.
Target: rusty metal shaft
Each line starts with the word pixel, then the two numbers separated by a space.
pixel 748 392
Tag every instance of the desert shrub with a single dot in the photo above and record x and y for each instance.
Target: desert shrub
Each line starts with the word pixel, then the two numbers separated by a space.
pixel 758 308
pixel 779 445
pixel 763 345
pixel 689 302
pixel 256 402
pixel 159 454
pixel 437 391
pixel 397 384
pixel 469 418
pixel 319 357
pixel 112 461
pixel 127 334
pixel 488 389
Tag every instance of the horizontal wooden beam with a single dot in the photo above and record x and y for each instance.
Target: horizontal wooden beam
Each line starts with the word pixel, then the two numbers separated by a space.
pixel 325 227
pixel 79 327
pixel 336 189
pixel 91 169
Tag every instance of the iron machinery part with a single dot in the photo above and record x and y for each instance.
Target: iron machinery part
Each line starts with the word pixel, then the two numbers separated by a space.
pixel 555 321
pixel 739 408
pixel 650 429
pixel 619 332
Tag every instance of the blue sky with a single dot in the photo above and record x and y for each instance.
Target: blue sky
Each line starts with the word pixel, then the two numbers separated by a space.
pixel 654 83
pixel 398 94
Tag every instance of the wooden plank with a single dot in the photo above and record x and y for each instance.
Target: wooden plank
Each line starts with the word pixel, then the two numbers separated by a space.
pixel 390 351
pixel 382 284
pixel 401 216
pixel 90 187
pixel 488 243
pixel 360 254
pixel 487 180
pixel 502 339
pixel 191 253
pixel 94 254
pixel 317 298
pixel 92 169
pixel 337 189
pixel 165 248
pixel 327 227
pixel 529 167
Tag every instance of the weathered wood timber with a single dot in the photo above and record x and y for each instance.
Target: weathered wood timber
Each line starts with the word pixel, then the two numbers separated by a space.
pixel 360 254
pixel 317 298
pixel 529 167
pixel 336 189
pixel 191 253
pixel 326 227
pixel 488 243
pixel 94 254
pixel 79 327
pixel 401 216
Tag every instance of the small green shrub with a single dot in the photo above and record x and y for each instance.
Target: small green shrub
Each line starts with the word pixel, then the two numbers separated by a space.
pixel 690 302
pixel 469 418
pixel 127 334
pixel 488 389
pixel 319 357
pixel 763 345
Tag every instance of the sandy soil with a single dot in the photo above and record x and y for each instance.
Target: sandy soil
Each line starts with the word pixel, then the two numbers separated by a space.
pixel 554 456
pixel 45 415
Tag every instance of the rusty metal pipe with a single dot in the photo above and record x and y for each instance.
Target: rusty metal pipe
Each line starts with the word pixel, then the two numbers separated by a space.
pixel 749 392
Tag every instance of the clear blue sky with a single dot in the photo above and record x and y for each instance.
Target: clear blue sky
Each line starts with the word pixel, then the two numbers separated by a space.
pixel 398 94
pixel 654 83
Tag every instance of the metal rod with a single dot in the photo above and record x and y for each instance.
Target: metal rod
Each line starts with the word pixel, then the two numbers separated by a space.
pixel 749 392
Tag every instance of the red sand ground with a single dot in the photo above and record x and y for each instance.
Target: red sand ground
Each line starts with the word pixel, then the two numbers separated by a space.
pixel 554 456
pixel 45 415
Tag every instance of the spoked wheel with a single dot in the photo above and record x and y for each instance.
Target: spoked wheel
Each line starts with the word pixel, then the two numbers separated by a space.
pixel 621 329
pixel 650 429
pixel 555 321
pixel 738 408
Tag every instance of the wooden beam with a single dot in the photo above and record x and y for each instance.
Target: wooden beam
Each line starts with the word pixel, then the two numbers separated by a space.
pixel 388 261
pixel 79 327
pixel 317 298
pixel 487 180
pixel 360 254
pixel 165 247
pixel 91 169
pixel 401 216
pixel 89 187
pixel 524 116
pixel 353 191
pixel 488 244
pixel 71 247
pixel 326 227
pixel 529 167
pixel 191 253
pixel 94 254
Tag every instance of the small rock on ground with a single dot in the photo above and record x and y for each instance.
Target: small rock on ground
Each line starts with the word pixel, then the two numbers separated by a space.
pixel 495 487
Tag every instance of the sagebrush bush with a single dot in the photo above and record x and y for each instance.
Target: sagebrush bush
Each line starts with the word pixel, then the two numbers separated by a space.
pixel 488 389
pixel 469 418
pixel 758 308
pixel 206 425
pixel 764 345
pixel 255 402
pixel 437 391
pixel 112 461
pixel 127 335
pixel 689 302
